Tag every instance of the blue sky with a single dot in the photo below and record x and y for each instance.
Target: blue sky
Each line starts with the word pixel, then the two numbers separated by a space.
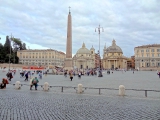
pixel 42 24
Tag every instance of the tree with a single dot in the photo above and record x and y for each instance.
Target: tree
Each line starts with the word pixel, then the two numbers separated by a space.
pixel 17 44
pixel 2 53
pixel 7 45
pixel 24 46
pixel 10 48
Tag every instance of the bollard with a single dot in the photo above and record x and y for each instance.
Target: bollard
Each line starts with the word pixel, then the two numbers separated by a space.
pixel 17 85
pixel 62 89
pixel 46 86
pixel 121 90
pixel 80 87
pixel 99 91
pixel 145 93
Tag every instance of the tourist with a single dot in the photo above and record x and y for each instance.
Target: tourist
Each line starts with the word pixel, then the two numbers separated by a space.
pixel 79 74
pixel 65 73
pixel 71 75
pixel 3 84
pixel 9 75
pixel 158 74
pixel 26 75
pixel 34 82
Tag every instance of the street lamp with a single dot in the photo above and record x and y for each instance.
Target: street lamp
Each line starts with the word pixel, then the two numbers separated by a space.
pixel 99 31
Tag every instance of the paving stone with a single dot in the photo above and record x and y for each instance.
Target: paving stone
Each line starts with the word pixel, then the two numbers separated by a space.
pixel 20 105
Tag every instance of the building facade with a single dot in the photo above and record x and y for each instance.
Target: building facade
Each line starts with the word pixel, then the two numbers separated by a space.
pixel 85 58
pixel 147 57
pixel 131 63
pixel 113 57
pixel 46 57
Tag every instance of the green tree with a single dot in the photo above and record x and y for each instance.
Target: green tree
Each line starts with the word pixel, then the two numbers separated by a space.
pixel 7 45
pixel 24 46
pixel 10 48
pixel 2 53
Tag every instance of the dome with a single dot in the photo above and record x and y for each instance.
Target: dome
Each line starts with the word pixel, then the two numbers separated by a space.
pixel 83 50
pixel 92 48
pixel 114 48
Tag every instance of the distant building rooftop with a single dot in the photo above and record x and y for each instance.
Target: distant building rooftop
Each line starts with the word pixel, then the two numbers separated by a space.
pixel 145 46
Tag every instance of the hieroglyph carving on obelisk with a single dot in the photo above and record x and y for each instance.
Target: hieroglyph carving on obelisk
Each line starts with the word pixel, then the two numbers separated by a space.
pixel 68 60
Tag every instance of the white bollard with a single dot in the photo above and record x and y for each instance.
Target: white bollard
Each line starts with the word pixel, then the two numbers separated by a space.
pixel 121 90
pixel 46 86
pixel 17 85
pixel 80 88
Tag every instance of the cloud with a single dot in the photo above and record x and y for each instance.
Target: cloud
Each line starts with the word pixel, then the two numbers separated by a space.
pixel 44 23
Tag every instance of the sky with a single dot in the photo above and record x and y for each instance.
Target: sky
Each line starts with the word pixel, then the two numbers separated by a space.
pixel 42 24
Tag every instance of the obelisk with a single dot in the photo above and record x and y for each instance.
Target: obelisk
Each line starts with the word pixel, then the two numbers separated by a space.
pixel 68 61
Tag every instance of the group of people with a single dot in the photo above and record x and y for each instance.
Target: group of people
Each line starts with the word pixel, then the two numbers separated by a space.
pixel 72 73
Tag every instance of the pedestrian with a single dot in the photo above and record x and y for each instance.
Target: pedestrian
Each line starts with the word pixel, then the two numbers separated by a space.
pixel 79 75
pixel 3 84
pixel 34 83
pixel 26 75
pixel 71 76
pixel 9 75
pixel 158 74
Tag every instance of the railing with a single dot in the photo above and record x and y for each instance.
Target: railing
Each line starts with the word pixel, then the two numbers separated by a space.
pixel 99 89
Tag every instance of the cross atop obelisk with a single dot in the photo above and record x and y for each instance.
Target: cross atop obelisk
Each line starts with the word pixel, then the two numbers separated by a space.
pixel 68 61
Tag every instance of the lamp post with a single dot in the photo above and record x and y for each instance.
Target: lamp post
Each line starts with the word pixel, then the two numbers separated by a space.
pixel 99 31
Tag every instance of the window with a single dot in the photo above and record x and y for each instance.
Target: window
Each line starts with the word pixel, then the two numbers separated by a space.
pixel 147 50
pixel 158 55
pixel 152 50
pixel 142 55
pixel 158 64
pixel 142 50
pixel 152 55
pixel 158 50
pixel 147 55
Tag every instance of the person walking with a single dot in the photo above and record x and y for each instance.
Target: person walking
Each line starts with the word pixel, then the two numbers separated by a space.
pixel 71 76
pixel 26 75
pixel 79 75
pixel 158 74
pixel 9 75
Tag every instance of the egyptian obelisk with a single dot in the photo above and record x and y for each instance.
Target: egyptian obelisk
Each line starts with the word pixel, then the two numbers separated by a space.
pixel 68 61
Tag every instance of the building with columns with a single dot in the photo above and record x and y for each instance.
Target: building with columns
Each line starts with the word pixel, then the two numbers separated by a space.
pixel 85 58
pixel 147 57
pixel 113 57
pixel 48 57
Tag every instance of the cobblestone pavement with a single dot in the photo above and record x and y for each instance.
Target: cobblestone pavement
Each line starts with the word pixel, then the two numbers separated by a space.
pixel 139 80
pixel 35 105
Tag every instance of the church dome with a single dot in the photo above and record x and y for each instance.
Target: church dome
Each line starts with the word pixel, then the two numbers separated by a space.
pixel 114 48
pixel 83 50
pixel 92 48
